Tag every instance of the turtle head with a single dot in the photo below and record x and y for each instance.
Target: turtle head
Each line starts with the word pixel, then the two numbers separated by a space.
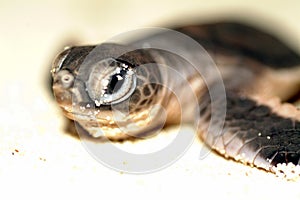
pixel 107 87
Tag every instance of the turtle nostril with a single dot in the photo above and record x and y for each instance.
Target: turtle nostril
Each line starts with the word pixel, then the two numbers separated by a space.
pixel 66 78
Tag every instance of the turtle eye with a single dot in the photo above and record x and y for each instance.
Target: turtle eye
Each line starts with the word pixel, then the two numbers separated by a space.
pixel 111 81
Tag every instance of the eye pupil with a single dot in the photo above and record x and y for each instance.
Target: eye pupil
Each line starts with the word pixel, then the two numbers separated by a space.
pixel 116 82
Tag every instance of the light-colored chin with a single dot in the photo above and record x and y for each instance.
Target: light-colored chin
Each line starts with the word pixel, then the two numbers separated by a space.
pixel 115 125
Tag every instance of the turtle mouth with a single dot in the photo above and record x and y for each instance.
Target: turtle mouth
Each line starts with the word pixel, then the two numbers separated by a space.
pixel 87 114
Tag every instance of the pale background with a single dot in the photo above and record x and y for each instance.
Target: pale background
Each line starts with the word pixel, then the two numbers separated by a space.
pixel 48 163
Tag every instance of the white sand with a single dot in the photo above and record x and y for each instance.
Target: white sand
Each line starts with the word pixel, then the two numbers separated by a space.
pixel 38 160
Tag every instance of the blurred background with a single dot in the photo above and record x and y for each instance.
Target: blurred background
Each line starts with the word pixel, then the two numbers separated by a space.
pixel 36 154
